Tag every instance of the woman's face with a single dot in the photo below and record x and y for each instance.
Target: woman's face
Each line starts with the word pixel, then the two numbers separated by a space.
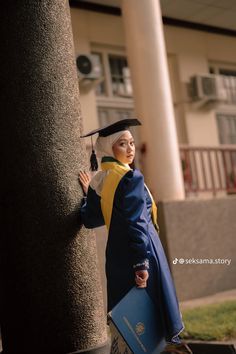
pixel 124 148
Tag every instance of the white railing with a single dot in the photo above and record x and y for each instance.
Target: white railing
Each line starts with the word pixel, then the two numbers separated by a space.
pixel 209 169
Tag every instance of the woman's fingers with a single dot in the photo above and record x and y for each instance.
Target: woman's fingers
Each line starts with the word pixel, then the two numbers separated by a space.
pixel 141 277
pixel 84 178
pixel 142 274
pixel 141 283
pixel 85 174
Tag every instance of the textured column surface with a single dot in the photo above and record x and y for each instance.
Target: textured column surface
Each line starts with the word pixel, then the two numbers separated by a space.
pixel 152 95
pixel 51 300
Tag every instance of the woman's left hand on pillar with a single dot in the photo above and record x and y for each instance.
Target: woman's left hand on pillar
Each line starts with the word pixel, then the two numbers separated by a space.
pixel 84 178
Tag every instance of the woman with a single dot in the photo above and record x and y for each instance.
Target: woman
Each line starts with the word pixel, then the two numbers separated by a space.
pixel 118 197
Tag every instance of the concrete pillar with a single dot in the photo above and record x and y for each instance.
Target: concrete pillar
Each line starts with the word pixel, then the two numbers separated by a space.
pixel 51 299
pixel 152 96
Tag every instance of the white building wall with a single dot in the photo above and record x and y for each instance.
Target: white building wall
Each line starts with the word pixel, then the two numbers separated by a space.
pixel 189 52
pixel 91 28
pixel 194 50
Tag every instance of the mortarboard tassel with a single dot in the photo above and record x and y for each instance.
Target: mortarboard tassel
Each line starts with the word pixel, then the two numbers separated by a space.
pixel 93 159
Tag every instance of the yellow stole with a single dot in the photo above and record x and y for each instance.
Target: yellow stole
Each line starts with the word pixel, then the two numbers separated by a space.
pixel 154 210
pixel 116 171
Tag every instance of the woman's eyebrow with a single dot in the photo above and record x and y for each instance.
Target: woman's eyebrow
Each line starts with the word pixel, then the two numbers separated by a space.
pixel 123 139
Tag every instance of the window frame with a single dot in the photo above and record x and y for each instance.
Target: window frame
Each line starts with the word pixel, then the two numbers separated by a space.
pixel 230 112
pixel 109 99
pixel 217 66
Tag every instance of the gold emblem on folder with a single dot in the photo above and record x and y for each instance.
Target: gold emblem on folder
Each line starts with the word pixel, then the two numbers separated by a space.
pixel 139 328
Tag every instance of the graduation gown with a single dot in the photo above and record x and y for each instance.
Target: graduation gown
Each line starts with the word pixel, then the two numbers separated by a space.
pixel 118 197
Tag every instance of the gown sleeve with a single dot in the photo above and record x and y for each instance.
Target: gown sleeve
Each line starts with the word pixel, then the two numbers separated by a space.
pixel 135 214
pixel 90 213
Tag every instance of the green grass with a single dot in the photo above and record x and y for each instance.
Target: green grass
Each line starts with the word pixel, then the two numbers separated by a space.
pixel 210 322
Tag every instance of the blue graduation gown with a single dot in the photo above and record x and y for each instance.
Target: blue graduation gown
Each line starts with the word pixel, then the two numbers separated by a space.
pixel 133 243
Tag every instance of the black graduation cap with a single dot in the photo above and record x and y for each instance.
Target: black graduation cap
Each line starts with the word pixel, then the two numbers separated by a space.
pixel 110 129
pixel 122 124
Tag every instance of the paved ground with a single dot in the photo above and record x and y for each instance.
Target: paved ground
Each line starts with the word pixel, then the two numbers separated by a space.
pixel 211 299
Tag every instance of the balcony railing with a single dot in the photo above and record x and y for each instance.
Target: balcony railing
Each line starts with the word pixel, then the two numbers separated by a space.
pixel 209 169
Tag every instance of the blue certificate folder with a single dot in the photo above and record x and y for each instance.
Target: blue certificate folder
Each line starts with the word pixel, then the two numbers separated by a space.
pixel 136 319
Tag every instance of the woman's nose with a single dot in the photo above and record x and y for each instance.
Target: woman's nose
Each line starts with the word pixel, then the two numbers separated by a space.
pixel 130 147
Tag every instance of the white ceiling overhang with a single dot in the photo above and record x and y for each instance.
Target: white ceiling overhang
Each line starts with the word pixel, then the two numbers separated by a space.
pixel 208 13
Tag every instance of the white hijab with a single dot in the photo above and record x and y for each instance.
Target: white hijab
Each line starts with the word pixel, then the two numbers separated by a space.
pixel 103 145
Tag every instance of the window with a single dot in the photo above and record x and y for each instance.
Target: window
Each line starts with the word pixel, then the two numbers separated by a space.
pixel 226 128
pixel 101 87
pixel 108 115
pixel 120 76
pixel 228 72
pixel 227 69
pixel 116 82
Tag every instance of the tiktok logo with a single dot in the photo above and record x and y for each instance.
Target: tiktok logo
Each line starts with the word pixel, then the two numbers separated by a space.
pixel 175 261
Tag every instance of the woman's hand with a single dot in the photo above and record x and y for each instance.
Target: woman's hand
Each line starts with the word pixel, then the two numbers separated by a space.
pixel 84 178
pixel 141 277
